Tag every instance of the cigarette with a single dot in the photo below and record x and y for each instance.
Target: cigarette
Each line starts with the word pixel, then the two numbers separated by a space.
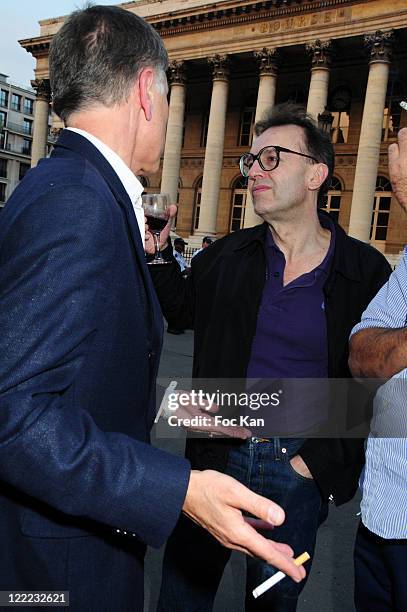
pixel 403 105
pixel 163 409
pixel 270 582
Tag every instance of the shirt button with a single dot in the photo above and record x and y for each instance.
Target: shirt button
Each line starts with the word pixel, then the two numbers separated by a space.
pixel 283 450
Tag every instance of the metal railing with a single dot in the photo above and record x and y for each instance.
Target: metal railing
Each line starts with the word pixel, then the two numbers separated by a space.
pixel 188 254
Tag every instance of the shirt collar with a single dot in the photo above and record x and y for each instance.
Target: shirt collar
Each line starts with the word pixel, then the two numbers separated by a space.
pixel 326 223
pixel 129 180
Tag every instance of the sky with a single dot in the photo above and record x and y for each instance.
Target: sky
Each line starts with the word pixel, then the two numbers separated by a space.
pixel 19 19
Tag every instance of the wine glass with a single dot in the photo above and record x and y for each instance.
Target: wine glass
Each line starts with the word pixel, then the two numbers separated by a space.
pixel 156 209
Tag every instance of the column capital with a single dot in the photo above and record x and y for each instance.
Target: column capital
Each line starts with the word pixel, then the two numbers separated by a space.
pixel 380 45
pixel 177 72
pixel 268 61
pixel 42 89
pixel 220 67
pixel 321 53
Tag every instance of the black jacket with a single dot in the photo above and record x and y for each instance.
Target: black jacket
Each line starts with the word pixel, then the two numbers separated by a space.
pixel 220 301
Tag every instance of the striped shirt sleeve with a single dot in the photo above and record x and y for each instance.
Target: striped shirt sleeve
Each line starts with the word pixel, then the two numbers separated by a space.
pixel 389 307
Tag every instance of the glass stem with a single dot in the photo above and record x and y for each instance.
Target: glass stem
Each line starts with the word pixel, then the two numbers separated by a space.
pixel 157 245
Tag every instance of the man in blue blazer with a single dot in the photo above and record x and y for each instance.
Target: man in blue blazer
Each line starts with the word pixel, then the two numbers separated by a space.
pixel 81 490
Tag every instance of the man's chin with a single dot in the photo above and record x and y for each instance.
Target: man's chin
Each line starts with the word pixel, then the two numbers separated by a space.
pixel 261 210
pixel 149 169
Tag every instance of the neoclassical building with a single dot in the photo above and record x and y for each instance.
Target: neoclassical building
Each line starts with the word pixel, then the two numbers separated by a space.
pixel 17 108
pixel 346 60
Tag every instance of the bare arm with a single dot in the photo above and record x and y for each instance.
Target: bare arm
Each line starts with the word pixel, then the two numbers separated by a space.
pixel 378 352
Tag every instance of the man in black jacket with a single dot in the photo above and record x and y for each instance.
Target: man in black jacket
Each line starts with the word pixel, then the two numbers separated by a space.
pixel 278 301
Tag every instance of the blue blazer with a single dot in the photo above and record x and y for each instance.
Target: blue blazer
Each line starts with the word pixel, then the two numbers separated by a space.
pixel 81 490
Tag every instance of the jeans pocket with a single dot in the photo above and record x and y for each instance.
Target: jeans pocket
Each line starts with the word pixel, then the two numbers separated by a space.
pixel 297 475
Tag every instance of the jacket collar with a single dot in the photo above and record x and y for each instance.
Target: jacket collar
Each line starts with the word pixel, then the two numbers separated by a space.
pixel 347 255
pixel 78 144
pixel 346 258
pixel 75 142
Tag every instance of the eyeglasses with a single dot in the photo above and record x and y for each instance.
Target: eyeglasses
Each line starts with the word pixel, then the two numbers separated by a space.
pixel 268 158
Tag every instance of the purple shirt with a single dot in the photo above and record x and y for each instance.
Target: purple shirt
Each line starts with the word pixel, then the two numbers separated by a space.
pixel 291 343
pixel 291 336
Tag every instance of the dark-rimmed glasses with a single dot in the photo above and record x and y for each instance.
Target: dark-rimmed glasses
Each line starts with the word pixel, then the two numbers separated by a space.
pixel 268 158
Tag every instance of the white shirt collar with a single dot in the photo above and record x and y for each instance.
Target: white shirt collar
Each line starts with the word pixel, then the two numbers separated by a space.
pixel 129 180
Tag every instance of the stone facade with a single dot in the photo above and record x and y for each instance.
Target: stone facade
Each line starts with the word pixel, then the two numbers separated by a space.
pixel 346 60
pixel 17 111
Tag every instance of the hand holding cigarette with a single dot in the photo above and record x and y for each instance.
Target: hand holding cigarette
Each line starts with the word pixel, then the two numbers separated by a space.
pixel 270 582
pixel 216 501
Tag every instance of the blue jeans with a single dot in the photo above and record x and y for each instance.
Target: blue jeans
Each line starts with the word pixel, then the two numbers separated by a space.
pixel 194 561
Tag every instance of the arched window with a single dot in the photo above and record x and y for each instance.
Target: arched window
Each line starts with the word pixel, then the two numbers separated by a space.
pixel 197 203
pixel 238 204
pixel 381 210
pixel 332 200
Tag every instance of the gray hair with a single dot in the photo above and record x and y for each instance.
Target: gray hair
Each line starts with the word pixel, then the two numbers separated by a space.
pixel 97 55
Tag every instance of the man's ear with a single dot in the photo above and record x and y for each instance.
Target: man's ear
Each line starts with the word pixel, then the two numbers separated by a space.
pixel 145 85
pixel 318 176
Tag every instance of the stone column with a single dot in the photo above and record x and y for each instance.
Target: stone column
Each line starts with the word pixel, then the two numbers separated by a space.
pixel 321 52
pixel 175 126
pixel 268 60
pixel 214 146
pixel 40 135
pixel 379 44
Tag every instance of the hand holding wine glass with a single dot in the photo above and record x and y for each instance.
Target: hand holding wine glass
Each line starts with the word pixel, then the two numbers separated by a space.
pixel 149 244
pixel 157 211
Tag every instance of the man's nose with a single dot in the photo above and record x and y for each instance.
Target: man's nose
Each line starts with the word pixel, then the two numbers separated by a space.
pixel 255 170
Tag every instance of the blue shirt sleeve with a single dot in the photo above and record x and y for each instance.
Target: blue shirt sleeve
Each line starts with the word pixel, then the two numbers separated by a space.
pixel 389 307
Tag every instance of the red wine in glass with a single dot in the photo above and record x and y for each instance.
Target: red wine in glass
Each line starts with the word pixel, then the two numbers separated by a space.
pixel 156 224
pixel 156 210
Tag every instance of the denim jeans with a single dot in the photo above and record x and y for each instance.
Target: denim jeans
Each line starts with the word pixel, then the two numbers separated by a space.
pixel 194 561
